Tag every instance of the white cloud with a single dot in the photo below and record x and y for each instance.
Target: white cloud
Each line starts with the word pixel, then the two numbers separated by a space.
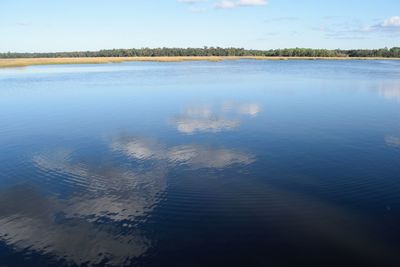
pixel 392 22
pixel 390 25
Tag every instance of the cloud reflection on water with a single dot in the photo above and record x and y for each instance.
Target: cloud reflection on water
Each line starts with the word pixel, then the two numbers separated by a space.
pixel 192 125
pixel 194 156
pixel 102 202
pixel 390 91
pixel 251 109
pixel 98 219
pixel 202 118
pixel 392 141
pixel 30 220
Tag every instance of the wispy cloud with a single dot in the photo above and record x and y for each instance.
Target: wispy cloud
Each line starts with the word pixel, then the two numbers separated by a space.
pixel 198 9
pixel 22 24
pixel 282 19
pixel 192 1
pixel 354 29
pixel 196 6
pixel 221 4
pixel 391 24
pixel 230 4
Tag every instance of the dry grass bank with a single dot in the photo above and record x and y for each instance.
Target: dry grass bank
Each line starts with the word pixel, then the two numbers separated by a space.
pixel 22 62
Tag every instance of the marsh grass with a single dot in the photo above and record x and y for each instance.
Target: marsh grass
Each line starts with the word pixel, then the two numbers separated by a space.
pixel 22 62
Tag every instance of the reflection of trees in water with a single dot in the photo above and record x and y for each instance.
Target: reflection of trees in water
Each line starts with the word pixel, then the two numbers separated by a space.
pixel 98 221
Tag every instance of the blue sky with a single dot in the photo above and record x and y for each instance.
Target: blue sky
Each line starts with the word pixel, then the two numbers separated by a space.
pixel 67 25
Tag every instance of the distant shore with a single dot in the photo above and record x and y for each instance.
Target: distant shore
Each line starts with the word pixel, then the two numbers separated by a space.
pixel 23 62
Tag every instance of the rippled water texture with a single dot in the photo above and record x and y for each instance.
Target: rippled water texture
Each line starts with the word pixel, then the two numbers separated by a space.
pixel 234 163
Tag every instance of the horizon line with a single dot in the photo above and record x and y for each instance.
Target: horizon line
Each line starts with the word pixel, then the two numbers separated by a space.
pixel 184 48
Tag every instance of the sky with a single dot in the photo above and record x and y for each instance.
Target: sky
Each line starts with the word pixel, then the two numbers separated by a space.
pixel 72 25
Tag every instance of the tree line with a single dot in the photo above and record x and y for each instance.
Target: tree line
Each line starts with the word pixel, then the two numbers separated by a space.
pixel 214 51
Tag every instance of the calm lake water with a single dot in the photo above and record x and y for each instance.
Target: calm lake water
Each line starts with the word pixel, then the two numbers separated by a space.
pixel 234 163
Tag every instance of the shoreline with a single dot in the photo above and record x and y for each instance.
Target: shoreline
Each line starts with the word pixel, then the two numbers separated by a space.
pixel 24 62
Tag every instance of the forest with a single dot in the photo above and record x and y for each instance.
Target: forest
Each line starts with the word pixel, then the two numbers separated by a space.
pixel 214 51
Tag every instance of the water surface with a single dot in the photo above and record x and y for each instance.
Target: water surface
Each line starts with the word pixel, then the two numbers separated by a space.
pixel 236 163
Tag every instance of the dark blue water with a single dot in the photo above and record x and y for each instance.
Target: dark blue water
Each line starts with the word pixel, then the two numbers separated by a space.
pixel 234 163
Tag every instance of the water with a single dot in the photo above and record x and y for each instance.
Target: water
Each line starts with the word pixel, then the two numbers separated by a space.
pixel 236 163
